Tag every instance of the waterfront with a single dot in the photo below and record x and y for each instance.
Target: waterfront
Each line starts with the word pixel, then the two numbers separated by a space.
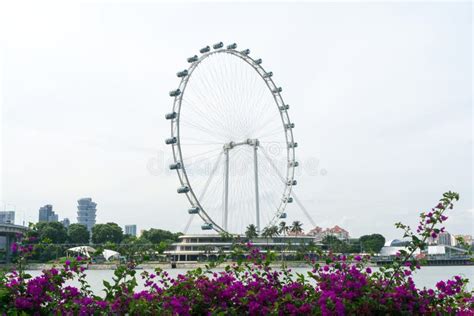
pixel 425 277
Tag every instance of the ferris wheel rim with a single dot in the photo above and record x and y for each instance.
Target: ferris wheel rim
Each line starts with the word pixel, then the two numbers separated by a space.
pixel 285 119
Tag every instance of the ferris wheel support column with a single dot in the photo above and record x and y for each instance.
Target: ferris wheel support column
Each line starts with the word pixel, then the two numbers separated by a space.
pixel 226 189
pixel 257 206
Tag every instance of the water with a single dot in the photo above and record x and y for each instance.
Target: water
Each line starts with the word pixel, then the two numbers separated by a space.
pixel 426 277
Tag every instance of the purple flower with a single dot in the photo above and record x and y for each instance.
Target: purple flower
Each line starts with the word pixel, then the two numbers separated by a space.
pixel 68 263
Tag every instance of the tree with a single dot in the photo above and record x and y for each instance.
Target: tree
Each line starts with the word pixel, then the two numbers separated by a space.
pixel 297 227
pixel 372 243
pixel 52 232
pixel 156 236
pixel 110 232
pixel 283 229
pixel 78 234
pixel 334 244
pixel 251 231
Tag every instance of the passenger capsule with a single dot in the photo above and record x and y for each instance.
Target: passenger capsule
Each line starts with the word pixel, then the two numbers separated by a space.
pixel 294 163
pixel 204 49
pixel 283 215
pixel 206 226
pixel 181 74
pixel 175 93
pixel 175 166
pixel 289 200
pixel 292 182
pixel 277 90
pixel 268 74
pixel 290 125
pixel 170 141
pixel 218 45
pixel 258 61
pixel 232 46
pixel 183 189
pixel 293 145
pixel 245 52
pixel 284 107
pixel 192 59
pixel 193 210
pixel 171 116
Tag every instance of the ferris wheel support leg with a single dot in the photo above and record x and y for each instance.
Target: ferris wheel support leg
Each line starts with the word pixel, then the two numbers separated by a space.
pixel 226 190
pixel 257 205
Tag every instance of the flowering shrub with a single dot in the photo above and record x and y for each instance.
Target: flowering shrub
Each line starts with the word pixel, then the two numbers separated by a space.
pixel 341 285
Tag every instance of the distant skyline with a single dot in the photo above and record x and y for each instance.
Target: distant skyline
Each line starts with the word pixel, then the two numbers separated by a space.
pixel 381 94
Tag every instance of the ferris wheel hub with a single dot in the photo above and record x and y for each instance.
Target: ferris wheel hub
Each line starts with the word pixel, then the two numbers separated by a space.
pixel 251 142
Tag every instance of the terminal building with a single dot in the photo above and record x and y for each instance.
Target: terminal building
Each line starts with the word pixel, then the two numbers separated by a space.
pixel 193 248
pixel 439 254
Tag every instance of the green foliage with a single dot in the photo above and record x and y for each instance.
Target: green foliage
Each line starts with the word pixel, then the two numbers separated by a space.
pixel 251 231
pixel 53 232
pixel 155 236
pixel 78 234
pixel 372 243
pixel 270 231
pixel 103 233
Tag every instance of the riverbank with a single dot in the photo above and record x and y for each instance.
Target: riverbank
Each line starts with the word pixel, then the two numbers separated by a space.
pixel 154 265
pixel 168 265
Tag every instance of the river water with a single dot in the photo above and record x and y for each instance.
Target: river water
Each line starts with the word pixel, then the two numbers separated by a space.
pixel 426 277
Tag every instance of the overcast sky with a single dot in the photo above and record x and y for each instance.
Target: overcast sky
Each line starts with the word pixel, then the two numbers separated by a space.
pixel 381 95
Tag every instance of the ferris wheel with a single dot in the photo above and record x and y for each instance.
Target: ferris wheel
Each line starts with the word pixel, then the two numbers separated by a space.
pixel 232 141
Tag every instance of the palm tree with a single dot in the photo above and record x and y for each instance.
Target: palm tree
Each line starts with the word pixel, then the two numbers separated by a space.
pixel 270 232
pixel 251 231
pixel 296 227
pixel 282 228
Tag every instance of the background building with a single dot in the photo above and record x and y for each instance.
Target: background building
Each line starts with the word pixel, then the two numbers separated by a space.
pixel 319 233
pixel 467 238
pixel 46 214
pixel 66 222
pixel 7 217
pixel 86 211
pixel 131 230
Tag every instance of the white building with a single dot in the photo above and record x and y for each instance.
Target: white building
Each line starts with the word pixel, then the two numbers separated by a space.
pixel 191 248
pixel 86 211
pixel 7 217
pixel 131 230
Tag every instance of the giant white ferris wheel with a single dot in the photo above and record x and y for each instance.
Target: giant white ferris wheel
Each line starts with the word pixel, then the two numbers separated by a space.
pixel 232 141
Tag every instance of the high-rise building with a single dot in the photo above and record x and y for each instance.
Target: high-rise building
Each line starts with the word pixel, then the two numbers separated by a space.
pixel 46 214
pixel 131 230
pixel 7 217
pixel 66 222
pixel 86 210
pixel 446 239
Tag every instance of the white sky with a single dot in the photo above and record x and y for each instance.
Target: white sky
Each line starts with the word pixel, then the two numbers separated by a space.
pixel 381 95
